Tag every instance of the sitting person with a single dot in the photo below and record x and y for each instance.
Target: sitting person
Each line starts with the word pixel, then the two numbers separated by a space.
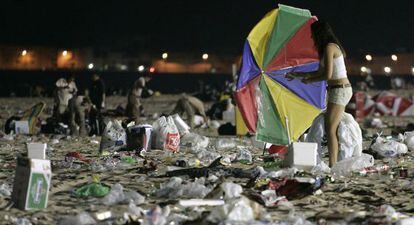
pixel 190 106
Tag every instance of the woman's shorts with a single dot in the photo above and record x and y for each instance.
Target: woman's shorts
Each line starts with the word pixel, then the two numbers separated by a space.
pixel 340 96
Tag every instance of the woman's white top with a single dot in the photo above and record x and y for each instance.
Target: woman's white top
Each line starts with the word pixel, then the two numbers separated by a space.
pixel 339 69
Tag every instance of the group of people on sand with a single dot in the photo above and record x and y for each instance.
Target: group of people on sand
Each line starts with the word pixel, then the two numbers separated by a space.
pixel 72 106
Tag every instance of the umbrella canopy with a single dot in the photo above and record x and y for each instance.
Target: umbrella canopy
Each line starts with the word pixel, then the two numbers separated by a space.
pixel 280 43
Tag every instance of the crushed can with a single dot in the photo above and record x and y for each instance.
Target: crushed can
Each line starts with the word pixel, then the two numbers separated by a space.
pixel 139 137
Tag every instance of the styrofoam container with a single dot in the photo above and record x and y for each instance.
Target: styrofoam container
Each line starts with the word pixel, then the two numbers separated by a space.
pixel 302 155
pixel 22 127
pixel 36 150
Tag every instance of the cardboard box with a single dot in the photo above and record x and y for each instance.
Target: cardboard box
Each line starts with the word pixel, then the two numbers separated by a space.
pixel 31 183
pixel 36 150
pixel 21 127
pixel 302 155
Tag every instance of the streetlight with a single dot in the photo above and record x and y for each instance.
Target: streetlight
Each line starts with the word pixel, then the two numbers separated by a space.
pixel 412 71
pixel 141 68
pixel 24 52
pixel 387 70
pixel 394 57
pixel 65 53
pixel 90 66
pixel 164 55
pixel 205 56
pixel 368 57
pixel 363 69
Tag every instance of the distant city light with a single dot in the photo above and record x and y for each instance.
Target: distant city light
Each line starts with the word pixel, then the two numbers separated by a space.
pixel 152 70
pixel 368 57
pixel 90 66
pixel 363 69
pixel 24 52
pixel 141 68
pixel 205 56
pixel 394 57
pixel 164 55
pixel 387 69
pixel 123 67
pixel 65 53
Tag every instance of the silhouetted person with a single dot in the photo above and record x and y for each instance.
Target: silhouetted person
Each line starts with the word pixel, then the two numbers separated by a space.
pixel 132 110
pixel 97 97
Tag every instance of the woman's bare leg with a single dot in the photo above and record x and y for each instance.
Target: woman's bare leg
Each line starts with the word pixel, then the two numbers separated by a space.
pixel 332 119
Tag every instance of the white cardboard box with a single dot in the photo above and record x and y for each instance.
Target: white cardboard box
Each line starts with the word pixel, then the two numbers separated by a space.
pixel 31 183
pixel 302 155
pixel 36 150
pixel 21 127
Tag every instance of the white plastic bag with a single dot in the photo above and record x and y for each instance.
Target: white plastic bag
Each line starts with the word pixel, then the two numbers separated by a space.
pixel 349 136
pixel 113 137
pixel 409 140
pixel 317 132
pixel 388 148
pixel 166 135
pixel 353 164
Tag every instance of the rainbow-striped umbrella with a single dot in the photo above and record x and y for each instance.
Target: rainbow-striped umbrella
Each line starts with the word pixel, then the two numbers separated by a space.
pixel 280 43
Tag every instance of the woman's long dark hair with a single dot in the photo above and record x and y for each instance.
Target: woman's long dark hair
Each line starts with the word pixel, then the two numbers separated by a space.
pixel 323 34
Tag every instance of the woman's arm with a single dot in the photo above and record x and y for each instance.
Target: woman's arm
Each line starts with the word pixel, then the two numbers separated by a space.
pixel 326 72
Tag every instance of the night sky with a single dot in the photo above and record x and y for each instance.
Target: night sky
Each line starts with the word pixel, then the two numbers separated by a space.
pixel 215 26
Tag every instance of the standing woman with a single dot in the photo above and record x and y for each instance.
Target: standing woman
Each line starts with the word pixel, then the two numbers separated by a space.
pixel 332 69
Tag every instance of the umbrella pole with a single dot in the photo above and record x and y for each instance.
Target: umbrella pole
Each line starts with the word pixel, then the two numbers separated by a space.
pixel 287 128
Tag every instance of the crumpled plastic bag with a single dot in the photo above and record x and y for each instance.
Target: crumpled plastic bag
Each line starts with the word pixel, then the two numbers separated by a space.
pixel 231 190
pixel 113 137
pixel 92 189
pixel 206 157
pixel 5 190
pixel 225 143
pixel 388 148
pixel 166 135
pixel 175 188
pixel 409 140
pixel 349 136
pixel 236 210
pixel 117 195
pixel 244 155
pixel 80 219
pixel 353 164
pixel 194 141
pixel 157 216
